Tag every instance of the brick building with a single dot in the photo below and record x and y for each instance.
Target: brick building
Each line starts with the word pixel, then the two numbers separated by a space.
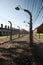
pixel 6 31
pixel 39 29
pixel 23 31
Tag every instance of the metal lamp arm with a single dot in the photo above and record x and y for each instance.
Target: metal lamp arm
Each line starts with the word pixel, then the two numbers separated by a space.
pixel 28 12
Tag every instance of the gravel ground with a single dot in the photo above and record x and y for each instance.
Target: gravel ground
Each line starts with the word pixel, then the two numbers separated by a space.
pixel 16 52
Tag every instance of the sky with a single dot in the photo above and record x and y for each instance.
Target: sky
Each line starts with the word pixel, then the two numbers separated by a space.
pixel 17 18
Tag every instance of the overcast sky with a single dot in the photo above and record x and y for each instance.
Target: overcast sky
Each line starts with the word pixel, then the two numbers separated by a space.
pixel 8 12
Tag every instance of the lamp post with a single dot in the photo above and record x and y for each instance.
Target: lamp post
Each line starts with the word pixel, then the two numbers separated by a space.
pixel 26 22
pixel 10 30
pixel 31 35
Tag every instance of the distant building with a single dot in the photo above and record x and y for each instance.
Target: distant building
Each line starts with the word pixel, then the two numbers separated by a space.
pixel 6 31
pixel 39 29
pixel 23 31
pixel 35 30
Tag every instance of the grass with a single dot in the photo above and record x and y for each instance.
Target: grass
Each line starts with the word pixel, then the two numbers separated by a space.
pixel 3 36
pixel 6 36
pixel 41 35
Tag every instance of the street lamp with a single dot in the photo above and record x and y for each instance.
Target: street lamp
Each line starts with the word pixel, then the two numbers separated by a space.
pixel 31 35
pixel 10 30
pixel 26 22
pixel 27 25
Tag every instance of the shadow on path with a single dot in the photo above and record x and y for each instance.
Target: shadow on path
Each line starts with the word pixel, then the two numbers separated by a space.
pixel 21 57
pixel 17 57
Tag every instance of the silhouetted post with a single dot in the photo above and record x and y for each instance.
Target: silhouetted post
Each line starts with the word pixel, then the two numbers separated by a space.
pixel 10 30
pixel 31 33
pixel 1 25
pixel 19 31
pixel 39 35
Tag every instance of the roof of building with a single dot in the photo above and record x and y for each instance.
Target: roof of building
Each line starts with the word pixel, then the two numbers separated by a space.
pixel 41 26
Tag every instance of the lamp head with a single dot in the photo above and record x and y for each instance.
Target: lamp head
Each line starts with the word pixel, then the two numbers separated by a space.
pixel 28 22
pixel 24 21
pixel 10 22
pixel 17 8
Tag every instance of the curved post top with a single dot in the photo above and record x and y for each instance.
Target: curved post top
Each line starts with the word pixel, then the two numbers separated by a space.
pixel 28 12
pixel 10 22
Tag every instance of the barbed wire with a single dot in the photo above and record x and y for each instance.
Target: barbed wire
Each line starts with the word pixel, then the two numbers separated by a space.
pixel 39 9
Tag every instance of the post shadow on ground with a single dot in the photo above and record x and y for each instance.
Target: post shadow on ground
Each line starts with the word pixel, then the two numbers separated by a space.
pixel 37 55
pixel 23 60
pixel 37 52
